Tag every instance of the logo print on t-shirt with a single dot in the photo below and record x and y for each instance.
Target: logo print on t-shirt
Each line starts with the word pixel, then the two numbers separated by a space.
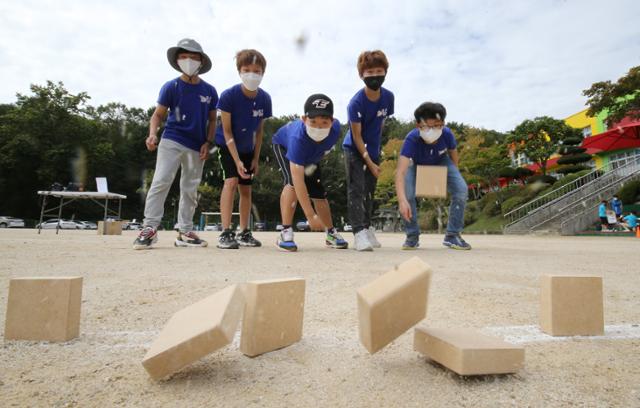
pixel 205 99
pixel 441 152
pixel 382 112
pixel 258 113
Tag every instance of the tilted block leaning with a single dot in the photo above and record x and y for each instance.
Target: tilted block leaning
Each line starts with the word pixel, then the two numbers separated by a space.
pixel 273 315
pixel 571 305
pixel 467 352
pixel 194 332
pixel 393 303
pixel 43 309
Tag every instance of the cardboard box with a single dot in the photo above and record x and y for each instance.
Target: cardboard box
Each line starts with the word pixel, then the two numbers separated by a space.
pixel 273 315
pixel 431 181
pixel 393 303
pixel 468 352
pixel 194 332
pixel 571 305
pixel 44 309
pixel 113 228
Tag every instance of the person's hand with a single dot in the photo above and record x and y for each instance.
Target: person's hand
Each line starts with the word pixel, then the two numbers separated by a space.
pixel 254 166
pixel 151 142
pixel 242 171
pixel 204 151
pixel 405 210
pixel 316 224
pixel 374 169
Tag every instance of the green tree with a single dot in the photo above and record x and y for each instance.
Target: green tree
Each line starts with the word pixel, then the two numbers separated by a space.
pixel 619 99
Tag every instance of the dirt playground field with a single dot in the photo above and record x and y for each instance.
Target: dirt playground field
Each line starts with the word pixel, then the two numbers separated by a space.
pixel 129 295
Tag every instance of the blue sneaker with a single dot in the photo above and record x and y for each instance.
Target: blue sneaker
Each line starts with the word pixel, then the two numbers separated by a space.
pixel 410 245
pixel 335 240
pixel 285 240
pixel 456 242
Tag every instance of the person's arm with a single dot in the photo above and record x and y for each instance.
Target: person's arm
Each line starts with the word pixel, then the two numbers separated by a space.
pixel 158 116
pixel 211 132
pixel 401 172
pixel 297 174
pixel 455 158
pixel 256 153
pixel 231 144
pixel 358 141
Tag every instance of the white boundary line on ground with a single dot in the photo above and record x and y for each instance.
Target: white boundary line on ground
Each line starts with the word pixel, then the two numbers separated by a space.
pixel 533 334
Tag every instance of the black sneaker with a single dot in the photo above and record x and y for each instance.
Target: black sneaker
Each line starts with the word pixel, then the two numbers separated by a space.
pixel 227 240
pixel 147 237
pixel 245 238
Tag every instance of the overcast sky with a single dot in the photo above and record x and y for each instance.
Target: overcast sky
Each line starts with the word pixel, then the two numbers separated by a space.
pixel 491 63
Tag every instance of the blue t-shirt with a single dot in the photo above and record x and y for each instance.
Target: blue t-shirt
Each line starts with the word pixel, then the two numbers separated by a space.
pixel 370 115
pixel 602 210
pixel 415 148
pixel 616 204
pixel 632 220
pixel 246 114
pixel 189 106
pixel 301 149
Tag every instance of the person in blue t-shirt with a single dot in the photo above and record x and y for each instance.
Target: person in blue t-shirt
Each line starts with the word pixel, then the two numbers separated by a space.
pixel 243 109
pixel 602 213
pixel 298 147
pixel 367 111
pixel 431 143
pixel 616 206
pixel 190 103
pixel 630 221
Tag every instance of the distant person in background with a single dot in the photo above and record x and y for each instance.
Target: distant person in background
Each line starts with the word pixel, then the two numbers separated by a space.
pixel 616 205
pixel 602 213
pixel 190 104
pixel 630 221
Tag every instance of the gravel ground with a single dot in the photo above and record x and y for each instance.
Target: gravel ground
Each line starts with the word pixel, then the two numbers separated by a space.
pixel 129 295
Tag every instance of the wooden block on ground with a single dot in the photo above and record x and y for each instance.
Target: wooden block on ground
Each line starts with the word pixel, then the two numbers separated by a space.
pixel 273 315
pixel 431 181
pixel 571 305
pixel 44 309
pixel 194 332
pixel 467 352
pixel 393 303
pixel 113 228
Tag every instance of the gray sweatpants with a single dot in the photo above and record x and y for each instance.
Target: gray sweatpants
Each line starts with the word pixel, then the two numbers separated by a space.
pixel 171 156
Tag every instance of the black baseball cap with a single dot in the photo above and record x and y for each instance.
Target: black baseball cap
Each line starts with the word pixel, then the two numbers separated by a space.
pixel 318 105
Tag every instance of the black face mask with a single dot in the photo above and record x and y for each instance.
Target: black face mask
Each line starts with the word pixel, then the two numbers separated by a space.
pixel 374 82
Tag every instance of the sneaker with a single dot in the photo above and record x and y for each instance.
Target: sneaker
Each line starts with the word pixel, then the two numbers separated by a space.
pixel 455 242
pixel 147 237
pixel 410 244
pixel 189 239
pixel 372 238
pixel 334 240
pixel 285 240
pixel 361 240
pixel 227 240
pixel 245 238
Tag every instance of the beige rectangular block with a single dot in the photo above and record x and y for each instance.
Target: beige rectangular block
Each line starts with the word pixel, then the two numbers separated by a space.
pixel 467 352
pixel 273 315
pixel 431 181
pixel 393 303
pixel 44 309
pixel 194 332
pixel 113 228
pixel 571 305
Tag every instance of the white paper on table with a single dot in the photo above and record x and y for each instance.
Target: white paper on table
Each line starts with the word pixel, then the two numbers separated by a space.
pixel 101 183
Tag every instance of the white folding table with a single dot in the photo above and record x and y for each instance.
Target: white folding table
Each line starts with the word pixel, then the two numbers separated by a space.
pixel 67 197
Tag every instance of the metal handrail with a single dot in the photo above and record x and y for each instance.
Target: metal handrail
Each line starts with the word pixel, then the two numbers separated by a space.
pixel 546 199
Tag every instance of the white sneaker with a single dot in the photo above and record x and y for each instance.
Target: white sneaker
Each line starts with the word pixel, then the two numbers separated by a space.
pixel 372 238
pixel 362 241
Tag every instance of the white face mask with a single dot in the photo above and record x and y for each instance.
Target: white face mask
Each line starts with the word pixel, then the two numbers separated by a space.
pixel 250 80
pixel 189 66
pixel 430 135
pixel 317 134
